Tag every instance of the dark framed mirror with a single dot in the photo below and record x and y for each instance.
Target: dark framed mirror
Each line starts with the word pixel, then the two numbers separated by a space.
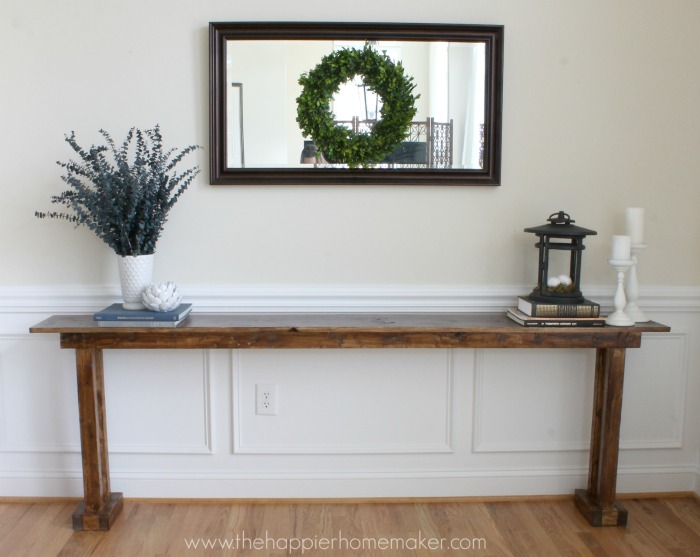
pixel 455 136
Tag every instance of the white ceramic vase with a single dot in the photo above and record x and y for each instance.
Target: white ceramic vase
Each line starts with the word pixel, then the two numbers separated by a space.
pixel 135 274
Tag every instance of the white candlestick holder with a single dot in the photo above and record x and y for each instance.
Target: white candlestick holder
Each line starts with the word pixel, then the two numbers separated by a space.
pixel 632 288
pixel 619 318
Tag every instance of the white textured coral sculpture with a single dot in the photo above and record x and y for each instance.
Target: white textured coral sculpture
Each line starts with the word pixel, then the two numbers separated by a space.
pixel 162 296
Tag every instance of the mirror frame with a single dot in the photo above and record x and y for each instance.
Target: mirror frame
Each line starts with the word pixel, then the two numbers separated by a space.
pixel 220 32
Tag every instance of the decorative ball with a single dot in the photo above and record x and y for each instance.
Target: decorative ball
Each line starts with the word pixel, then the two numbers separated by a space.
pixel 162 296
pixel 565 280
pixel 553 282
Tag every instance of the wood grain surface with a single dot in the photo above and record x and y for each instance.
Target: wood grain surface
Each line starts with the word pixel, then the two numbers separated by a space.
pixel 664 527
pixel 402 330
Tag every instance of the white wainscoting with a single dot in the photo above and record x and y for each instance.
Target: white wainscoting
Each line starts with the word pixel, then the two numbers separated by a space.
pixel 345 401
pixel 168 394
pixel 349 423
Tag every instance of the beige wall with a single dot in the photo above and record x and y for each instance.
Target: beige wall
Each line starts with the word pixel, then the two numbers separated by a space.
pixel 600 113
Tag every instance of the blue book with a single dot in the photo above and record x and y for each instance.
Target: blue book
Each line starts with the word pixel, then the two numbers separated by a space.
pixel 116 312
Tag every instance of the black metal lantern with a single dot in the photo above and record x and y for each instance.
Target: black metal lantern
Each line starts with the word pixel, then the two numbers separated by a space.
pixel 559 235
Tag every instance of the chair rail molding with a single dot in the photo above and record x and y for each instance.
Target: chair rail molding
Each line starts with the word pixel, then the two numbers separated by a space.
pixel 331 298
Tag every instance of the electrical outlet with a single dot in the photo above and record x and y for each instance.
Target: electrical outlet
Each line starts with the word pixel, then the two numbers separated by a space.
pixel 266 399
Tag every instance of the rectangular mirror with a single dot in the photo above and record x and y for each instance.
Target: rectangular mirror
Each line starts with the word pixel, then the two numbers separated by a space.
pixel 454 138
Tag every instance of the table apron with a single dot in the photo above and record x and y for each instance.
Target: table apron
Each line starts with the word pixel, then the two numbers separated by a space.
pixel 349 339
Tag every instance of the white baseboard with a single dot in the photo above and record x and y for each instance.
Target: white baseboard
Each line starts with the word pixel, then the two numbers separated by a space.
pixel 243 485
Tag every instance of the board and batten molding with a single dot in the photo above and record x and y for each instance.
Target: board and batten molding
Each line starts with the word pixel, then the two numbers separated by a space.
pixel 496 464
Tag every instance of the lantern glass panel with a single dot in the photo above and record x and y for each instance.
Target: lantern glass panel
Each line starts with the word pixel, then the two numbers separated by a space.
pixel 559 262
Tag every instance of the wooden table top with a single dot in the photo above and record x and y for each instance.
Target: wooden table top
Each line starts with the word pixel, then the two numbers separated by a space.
pixel 342 330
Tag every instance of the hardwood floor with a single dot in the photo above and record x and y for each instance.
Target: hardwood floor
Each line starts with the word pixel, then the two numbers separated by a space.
pixel 668 526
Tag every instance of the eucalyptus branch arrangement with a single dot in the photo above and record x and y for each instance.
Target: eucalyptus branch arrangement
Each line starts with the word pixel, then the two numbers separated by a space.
pixel 123 194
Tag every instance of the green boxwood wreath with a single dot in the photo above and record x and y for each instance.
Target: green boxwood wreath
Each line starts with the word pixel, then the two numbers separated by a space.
pixel 380 74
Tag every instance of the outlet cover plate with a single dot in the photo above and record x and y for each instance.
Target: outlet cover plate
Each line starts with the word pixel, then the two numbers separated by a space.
pixel 266 399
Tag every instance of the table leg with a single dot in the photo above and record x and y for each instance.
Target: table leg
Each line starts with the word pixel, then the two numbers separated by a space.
pixel 100 506
pixel 597 503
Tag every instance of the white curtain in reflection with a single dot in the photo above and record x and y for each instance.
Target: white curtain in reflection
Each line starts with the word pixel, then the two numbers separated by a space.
pixel 466 94
pixel 439 79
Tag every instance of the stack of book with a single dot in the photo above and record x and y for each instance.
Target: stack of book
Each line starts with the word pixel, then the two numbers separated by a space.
pixel 116 316
pixel 538 314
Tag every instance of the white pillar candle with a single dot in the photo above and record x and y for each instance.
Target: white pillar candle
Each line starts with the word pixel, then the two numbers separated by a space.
pixel 621 248
pixel 635 224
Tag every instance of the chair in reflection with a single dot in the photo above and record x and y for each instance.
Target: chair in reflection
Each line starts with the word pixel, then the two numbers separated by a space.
pixel 427 145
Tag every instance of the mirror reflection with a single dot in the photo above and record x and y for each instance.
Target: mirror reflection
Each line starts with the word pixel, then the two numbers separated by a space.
pixel 262 87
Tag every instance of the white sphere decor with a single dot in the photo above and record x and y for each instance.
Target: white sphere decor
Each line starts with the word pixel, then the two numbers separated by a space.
pixel 162 296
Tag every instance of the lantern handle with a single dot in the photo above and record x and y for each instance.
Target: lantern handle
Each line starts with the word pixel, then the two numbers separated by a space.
pixel 560 218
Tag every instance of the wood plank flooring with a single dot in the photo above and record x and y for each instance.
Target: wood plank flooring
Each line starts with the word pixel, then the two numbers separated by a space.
pixel 668 526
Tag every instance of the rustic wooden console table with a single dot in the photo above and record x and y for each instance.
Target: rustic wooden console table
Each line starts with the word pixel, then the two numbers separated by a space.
pixel 446 330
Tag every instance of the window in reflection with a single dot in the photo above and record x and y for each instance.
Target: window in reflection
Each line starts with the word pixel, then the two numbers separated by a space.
pixel 354 99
